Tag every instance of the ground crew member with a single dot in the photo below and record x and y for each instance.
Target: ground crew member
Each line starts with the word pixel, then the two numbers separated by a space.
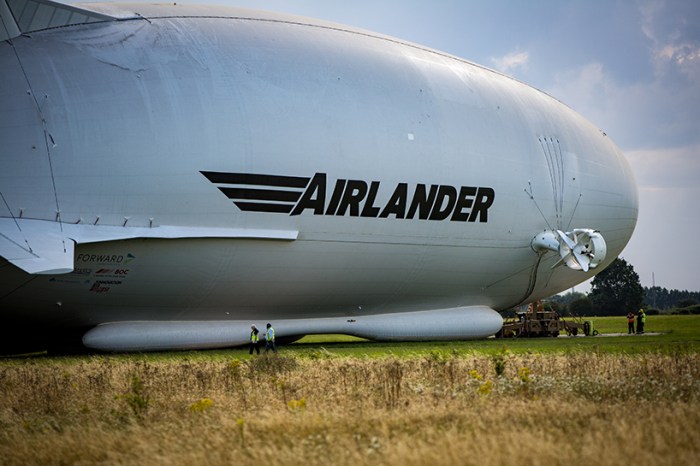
pixel 630 322
pixel 254 339
pixel 641 320
pixel 270 339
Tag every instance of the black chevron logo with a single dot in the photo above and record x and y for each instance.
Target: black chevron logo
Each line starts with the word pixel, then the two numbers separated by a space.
pixel 260 193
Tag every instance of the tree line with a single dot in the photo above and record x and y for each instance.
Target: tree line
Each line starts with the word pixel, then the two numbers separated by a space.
pixel 617 290
pixel 661 298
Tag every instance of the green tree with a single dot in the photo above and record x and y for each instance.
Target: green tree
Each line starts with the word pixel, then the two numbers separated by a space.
pixel 581 307
pixel 686 303
pixel 554 306
pixel 566 299
pixel 616 290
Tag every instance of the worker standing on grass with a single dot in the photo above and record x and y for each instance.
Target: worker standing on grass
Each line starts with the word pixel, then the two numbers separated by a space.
pixel 254 338
pixel 270 339
pixel 630 322
pixel 641 320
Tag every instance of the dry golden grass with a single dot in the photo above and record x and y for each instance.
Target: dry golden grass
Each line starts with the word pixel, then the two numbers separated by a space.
pixel 588 409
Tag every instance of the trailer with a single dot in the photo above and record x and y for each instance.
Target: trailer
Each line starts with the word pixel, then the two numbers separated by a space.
pixel 538 322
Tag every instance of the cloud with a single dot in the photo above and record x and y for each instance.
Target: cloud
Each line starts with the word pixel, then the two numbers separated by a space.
pixel 658 109
pixel 671 29
pixel 655 113
pixel 683 58
pixel 667 169
pixel 584 82
pixel 511 61
pixel 590 91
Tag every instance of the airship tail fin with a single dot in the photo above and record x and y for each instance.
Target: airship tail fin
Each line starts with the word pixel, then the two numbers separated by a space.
pixel 22 16
pixel 36 247
pixel 47 248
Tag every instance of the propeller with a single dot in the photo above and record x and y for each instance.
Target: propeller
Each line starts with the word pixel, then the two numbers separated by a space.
pixel 579 249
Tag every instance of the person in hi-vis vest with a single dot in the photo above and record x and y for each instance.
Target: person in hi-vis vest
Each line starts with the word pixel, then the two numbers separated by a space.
pixel 270 339
pixel 254 338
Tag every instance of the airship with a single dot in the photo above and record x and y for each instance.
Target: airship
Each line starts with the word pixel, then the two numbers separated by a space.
pixel 171 174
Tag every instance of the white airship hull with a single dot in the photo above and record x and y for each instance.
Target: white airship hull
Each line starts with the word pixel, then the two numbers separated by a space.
pixel 247 167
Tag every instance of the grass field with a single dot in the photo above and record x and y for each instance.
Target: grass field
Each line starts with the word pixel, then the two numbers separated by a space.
pixel 677 333
pixel 339 400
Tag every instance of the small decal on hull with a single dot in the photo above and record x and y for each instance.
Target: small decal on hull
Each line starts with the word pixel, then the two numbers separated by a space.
pixel 103 259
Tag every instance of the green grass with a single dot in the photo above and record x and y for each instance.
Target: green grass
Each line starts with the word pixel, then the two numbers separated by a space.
pixel 677 333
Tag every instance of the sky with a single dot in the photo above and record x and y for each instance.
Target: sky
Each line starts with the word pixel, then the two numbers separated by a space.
pixel 632 67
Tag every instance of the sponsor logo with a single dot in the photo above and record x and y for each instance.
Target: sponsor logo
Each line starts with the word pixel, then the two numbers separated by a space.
pixel 103 286
pixel 355 198
pixel 114 272
pixel 74 281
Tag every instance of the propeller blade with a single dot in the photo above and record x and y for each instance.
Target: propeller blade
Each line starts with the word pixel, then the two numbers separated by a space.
pixel 582 260
pixel 568 241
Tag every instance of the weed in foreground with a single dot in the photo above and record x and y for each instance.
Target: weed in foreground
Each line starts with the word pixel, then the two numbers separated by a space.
pixel 499 361
pixel 136 399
